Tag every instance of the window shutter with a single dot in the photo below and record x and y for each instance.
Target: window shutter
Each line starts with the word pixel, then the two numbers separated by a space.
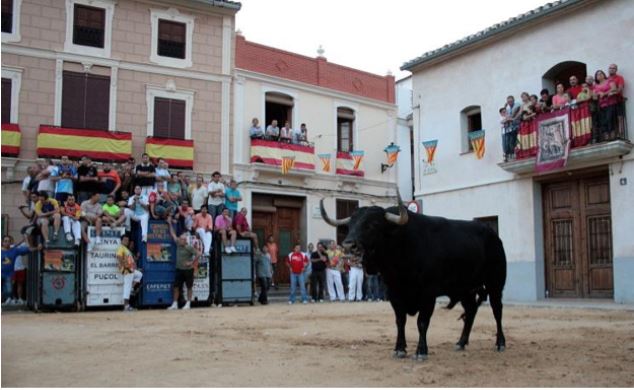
pixel 161 117
pixel 7 16
pixel 73 100
pixel 85 101
pixel 97 102
pixel 89 26
pixel 6 100
pixel 171 39
pixel 177 119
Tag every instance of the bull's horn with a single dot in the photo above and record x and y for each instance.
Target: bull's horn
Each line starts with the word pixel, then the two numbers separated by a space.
pixel 403 217
pixel 332 222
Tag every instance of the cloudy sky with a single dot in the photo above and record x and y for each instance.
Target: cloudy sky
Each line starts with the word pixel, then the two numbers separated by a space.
pixel 375 36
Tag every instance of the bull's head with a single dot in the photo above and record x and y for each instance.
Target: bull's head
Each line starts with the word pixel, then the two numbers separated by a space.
pixel 368 225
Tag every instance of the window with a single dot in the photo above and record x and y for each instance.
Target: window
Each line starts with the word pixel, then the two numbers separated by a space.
pixel 278 106
pixel 85 101
pixel 171 39
pixel 172 34
pixel 169 118
pixel 492 222
pixel 11 20
pixel 471 120
pixel 6 102
pixel 89 26
pixel 345 208
pixel 345 129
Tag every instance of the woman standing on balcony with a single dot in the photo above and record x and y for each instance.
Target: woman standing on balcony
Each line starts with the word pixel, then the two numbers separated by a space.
pixel 605 92
pixel 559 101
pixel 286 133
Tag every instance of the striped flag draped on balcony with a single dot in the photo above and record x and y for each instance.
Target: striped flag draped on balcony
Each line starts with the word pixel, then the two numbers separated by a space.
pixel 357 157
pixel 287 164
pixel 325 162
pixel 477 141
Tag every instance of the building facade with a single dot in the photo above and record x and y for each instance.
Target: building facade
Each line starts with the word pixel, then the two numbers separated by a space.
pixel 113 79
pixel 345 110
pixel 566 232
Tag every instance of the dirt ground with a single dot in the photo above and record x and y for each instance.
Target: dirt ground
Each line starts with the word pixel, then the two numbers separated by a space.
pixel 338 344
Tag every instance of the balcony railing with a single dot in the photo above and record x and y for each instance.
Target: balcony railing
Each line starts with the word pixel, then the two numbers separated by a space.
pixel 271 153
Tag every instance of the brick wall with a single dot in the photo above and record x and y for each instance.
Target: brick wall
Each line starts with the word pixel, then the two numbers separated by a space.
pixel 316 71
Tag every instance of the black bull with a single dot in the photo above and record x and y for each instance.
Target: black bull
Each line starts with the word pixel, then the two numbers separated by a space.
pixel 421 258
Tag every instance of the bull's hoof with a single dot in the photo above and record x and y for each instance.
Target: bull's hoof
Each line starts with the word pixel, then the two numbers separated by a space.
pixel 501 348
pixel 399 355
pixel 459 347
pixel 420 357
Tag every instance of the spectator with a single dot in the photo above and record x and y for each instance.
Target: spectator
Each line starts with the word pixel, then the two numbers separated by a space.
pixel 126 174
pixel 272 131
pixel 286 132
pixel 88 181
pixel 511 126
pixel 19 275
pixel 232 197
pixel 617 79
pixel 110 181
pixel 63 178
pixel 309 267
pixel 303 133
pixel 30 230
pixel 198 195
pixel 162 175
pixel 256 132
pixel 558 99
pixel 47 211
pixel 186 184
pixel 319 262
pixel 127 267
pixel 9 255
pixel 344 268
pixel 273 252
pixel 111 213
pixel 145 175
pixel 204 227
pixel 243 229
pixel 186 255
pixel 535 104
pixel 138 203
pixel 568 100
pixel 164 208
pixel 122 199
pixel 605 92
pixel 546 101
pixel 296 134
pixel 264 273
pixel 585 94
pixel 174 186
pixel 526 107
pixel 71 218
pixel 373 288
pixel 91 212
pixel 590 81
pixel 184 215
pixel 29 182
pixel 333 274
pixel 297 262
pixel 45 178
pixel 216 192
pixel 223 225
pixel 575 88
pixel 355 290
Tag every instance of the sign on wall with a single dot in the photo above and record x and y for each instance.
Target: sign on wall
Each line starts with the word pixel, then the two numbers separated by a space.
pixel 104 282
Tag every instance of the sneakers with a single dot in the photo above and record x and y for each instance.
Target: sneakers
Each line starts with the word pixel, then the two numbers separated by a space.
pixel 55 236
pixel 128 308
pixel 187 306
pixel 228 250
pixel 321 301
pixel 9 302
pixel 290 302
pixel 174 306
pixel 90 245
pixel 69 237
pixel 304 302
pixel 77 242
pixel 233 249
pixel 19 302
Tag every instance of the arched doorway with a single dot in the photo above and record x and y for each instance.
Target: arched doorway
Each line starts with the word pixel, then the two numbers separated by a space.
pixel 561 73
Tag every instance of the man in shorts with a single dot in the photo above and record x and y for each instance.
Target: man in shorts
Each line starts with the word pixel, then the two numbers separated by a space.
pixel 47 211
pixel 186 255
pixel 91 212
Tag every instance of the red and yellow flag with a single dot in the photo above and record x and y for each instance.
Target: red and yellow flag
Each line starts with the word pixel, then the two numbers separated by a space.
pixel 357 157
pixel 287 164
pixel 325 162
pixel 11 138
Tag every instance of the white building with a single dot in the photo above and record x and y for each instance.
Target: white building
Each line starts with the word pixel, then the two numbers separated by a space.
pixel 404 138
pixel 567 233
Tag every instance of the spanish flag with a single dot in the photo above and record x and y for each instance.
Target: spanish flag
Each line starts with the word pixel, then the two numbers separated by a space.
pixel 287 164
pixel 177 152
pixel 430 148
pixel 325 162
pixel 357 157
pixel 96 144
pixel 11 138
pixel 477 141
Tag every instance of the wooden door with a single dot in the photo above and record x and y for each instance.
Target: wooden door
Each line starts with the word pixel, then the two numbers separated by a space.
pixel 578 238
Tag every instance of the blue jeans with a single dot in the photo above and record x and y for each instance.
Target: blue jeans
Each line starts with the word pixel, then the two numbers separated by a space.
pixel 7 288
pixel 373 287
pixel 295 280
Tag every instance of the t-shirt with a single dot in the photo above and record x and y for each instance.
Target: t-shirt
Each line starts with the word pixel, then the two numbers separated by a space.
pixel 21 261
pixel 233 206
pixel 46 207
pixel 67 174
pixel 138 208
pixel 127 265
pixel 184 254
pixel 618 80
pixel 46 184
pixel 199 195
pixel 558 101
pixel 241 224
pixel 26 183
pixel 222 223
pixel 297 261
pixel 111 210
pixel 574 91
pixel 334 258
pixel 203 222
pixel 318 265
pixel 8 259
pixel 174 187
pixel 91 208
pixel 272 251
pixel 145 181
pixel 213 187
pixel 87 186
pixel 74 210
pixel 109 181
pixel 164 174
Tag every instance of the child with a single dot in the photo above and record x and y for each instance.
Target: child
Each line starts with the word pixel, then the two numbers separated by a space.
pixel 71 215
pixel 263 273
pixel 9 255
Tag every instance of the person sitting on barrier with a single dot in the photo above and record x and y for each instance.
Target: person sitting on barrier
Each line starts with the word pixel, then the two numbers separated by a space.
pixel 243 229
pixel 138 204
pixel 127 267
pixel 112 213
pixel 263 272
pixel 47 210
pixel 163 207
pixel 71 218
pixel 186 256
pixel 223 225
pixel 110 182
pixel 9 255
pixel 204 227
pixel 185 215
pixel 91 214
pixel 30 230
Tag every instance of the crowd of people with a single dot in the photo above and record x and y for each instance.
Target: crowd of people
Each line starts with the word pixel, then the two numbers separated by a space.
pixel 603 93
pixel 273 133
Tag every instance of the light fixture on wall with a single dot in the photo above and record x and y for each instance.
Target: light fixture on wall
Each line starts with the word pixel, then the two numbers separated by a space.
pixel 391 152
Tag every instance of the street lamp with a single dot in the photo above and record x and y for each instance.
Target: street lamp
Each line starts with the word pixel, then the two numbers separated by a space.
pixel 391 152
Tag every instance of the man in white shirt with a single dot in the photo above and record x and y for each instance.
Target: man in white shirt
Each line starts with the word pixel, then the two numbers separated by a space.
pixel 162 175
pixel 45 182
pixel 216 192
pixel 199 194
pixel 272 131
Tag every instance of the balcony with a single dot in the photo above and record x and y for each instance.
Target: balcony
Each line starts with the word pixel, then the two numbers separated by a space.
pixel 267 156
pixel 587 146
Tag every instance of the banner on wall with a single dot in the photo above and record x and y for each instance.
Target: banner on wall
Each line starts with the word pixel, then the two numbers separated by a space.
pixel 357 157
pixel 11 138
pixel 325 162
pixel 429 164
pixel 553 141
pixel 345 165
pixel 477 142
pixel 178 153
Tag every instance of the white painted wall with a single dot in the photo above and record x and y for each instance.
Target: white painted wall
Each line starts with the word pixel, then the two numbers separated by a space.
pixel 404 165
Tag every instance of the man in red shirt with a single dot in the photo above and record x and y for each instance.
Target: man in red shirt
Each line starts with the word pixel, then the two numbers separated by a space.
pixel 617 79
pixel 241 225
pixel 296 262
pixel 575 88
